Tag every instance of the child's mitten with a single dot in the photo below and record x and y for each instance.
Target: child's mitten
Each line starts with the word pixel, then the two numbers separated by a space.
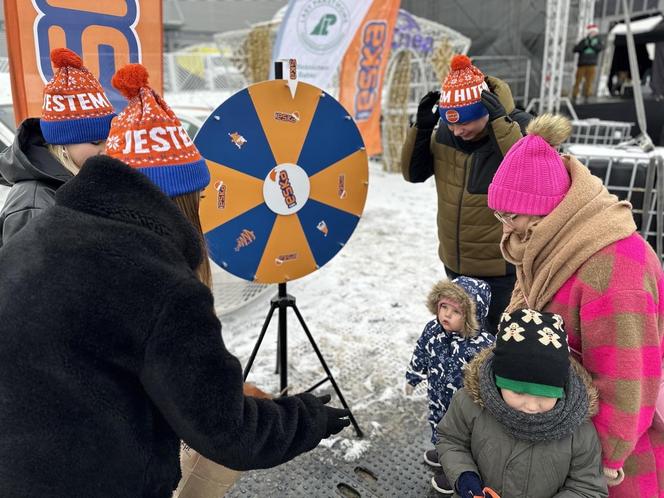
pixel 469 485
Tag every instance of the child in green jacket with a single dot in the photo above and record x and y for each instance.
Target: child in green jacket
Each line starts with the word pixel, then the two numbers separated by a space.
pixel 521 424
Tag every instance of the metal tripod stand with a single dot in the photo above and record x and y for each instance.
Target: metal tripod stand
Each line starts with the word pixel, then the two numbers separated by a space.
pixel 283 301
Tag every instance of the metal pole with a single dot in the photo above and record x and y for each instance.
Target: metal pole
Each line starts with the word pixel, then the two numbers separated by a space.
pixel 247 368
pixel 527 88
pixel 358 431
pixel 646 143
pixel 283 343
pixel 172 73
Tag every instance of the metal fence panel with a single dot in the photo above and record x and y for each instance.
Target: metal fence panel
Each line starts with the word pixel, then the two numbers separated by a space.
pixel 599 132
pixel 185 71
pixel 512 69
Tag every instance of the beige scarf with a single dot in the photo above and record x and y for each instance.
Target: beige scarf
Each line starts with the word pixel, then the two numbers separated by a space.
pixel 588 219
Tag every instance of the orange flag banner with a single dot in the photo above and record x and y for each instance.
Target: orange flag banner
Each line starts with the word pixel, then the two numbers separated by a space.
pixel 107 34
pixel 363 70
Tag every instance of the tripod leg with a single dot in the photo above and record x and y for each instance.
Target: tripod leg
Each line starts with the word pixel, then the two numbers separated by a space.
pixel 277 367
pixel 358 431
pixel 282 351
pixel 247 368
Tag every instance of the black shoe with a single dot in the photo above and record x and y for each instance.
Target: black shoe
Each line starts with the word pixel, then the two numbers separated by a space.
pixel 431 458
pixel 441 484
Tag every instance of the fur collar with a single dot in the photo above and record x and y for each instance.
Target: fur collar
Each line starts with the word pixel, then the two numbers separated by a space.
pixel 108 188
pixel 448 290
pixel 472 381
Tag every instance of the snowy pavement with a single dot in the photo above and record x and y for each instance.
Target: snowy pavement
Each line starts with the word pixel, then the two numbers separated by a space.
pixel 365 309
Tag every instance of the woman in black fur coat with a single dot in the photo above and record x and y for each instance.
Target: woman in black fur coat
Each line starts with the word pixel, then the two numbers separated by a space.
pixel 111 351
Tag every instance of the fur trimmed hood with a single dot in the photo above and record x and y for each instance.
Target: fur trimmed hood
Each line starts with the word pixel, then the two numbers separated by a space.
pixel 473 295
pixel 471 381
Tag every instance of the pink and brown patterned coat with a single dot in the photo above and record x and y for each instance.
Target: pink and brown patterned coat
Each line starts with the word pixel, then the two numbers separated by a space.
pixel 613 308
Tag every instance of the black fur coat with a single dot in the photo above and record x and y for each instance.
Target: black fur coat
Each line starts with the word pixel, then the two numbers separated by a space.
pixel 111 352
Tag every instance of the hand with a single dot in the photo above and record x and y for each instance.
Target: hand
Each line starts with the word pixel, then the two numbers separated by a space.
pixel 408 389
pixel 337 418
pixel 613 476
pixel 250 389
pixel 469 485
pixel 426 118
pixel 493 105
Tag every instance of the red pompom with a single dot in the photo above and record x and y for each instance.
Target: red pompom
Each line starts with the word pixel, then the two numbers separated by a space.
pixel 460 61
pixel 130 79
pixel 63 57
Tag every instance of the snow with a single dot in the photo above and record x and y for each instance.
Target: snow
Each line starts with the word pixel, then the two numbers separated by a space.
pixel 603 151
pixel 365 309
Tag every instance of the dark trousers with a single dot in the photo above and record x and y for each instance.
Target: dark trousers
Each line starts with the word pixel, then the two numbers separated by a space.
pixel 501 293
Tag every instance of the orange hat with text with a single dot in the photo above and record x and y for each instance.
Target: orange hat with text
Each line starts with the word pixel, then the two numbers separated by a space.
pixel 148 136
pixel 75 108
pixel 461 92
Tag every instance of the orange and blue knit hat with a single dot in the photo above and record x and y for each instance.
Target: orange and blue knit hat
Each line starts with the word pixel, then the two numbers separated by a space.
pixel 149 137
pixel 461 92
pixel 75 109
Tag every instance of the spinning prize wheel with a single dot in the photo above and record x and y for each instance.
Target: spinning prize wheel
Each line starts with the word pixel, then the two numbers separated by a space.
pixel 289 181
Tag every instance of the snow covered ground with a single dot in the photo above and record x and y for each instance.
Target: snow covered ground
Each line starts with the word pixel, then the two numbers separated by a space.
pixel 365 309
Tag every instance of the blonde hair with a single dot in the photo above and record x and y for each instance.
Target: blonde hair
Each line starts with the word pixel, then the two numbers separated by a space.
pixel 188 204
pixel 60 153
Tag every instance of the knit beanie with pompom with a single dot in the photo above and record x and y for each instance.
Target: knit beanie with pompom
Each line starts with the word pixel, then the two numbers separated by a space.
pixel 149 137
pixel 461 92
pixel 532 178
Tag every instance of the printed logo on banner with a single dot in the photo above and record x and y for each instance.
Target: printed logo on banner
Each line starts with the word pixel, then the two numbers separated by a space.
pixel 368 76
pixel 109 33
pixel 325 21
pixel 409 35
pixel 322 24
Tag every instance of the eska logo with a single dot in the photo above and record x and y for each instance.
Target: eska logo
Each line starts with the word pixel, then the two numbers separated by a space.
pixel 105 28
pixel 368 76
pixel 107 34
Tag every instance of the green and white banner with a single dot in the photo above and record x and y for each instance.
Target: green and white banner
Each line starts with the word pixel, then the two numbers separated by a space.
pixel 317 34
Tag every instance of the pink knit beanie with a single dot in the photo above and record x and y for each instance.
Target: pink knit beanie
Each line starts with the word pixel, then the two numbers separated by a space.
pixel 532 178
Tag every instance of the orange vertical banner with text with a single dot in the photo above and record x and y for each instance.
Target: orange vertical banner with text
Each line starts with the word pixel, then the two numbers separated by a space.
pixel 107 34
pixel 363 70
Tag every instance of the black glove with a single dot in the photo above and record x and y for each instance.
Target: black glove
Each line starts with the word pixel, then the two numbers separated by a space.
pixel 426 119
pixel 493 105
pixel 469 485
pixel 337 418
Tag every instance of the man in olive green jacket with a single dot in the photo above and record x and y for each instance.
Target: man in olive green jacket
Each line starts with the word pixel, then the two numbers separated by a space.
pixel 463 152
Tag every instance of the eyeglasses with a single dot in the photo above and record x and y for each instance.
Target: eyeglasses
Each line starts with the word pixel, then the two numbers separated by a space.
pixel 507 218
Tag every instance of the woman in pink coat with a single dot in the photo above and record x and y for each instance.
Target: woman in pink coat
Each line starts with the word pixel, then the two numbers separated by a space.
pixel 577 254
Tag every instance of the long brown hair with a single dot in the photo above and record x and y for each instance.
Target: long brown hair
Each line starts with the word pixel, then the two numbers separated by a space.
pixel 188 204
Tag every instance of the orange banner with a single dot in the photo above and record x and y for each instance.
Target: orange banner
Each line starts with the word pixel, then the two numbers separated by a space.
pixel 107 34
pixel 363 70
